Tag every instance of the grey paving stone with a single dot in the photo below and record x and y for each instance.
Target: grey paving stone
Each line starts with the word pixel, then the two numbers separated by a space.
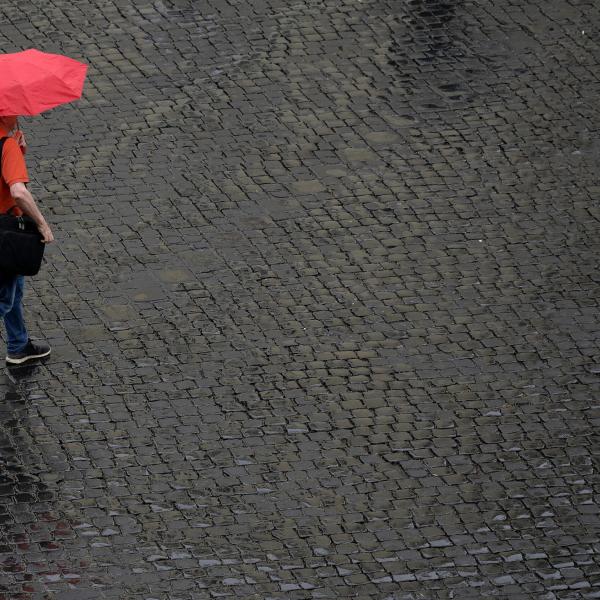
pixel 323 304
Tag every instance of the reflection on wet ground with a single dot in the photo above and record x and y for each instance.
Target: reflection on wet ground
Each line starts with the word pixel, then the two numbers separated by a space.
pixel 428 29
pixel 32 532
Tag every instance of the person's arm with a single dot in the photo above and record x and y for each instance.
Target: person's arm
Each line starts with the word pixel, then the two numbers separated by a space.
pixel 24 200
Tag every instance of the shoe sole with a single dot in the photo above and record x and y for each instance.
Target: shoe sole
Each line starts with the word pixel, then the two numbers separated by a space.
pixel 20 361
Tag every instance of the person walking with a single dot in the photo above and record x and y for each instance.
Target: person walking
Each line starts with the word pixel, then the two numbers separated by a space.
pixel 16 198
pixel 32 82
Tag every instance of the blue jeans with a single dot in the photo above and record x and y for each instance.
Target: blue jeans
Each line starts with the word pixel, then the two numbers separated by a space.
pixel 11 308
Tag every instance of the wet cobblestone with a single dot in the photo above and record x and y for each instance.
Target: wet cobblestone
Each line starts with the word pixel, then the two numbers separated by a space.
pixel 323 304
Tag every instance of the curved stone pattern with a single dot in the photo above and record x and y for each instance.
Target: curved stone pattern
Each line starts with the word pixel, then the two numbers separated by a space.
pixel 323 304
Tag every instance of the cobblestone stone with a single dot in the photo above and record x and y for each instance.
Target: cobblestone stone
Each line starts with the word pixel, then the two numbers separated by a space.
pixel 323 304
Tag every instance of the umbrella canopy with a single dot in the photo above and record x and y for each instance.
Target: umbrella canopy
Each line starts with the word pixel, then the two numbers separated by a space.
pixel 32 82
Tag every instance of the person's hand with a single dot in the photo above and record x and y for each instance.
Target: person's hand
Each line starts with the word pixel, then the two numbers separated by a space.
pixel 19 137
pixel 47 235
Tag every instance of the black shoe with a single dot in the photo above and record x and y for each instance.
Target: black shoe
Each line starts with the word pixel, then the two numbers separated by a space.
pixel 32 350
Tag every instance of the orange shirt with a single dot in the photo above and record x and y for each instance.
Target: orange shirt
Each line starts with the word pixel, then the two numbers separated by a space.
pixel 14 170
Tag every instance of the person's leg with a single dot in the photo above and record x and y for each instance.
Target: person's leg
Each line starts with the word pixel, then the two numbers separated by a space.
pixel 8 285
pixel 16 331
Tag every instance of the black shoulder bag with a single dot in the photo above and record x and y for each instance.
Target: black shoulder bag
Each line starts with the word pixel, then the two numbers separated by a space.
pixel 21 246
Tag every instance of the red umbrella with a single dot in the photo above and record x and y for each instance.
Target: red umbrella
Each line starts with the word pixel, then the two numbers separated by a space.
pixel 32 81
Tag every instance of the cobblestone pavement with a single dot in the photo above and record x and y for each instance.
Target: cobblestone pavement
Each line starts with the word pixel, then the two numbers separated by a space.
pixel 323 304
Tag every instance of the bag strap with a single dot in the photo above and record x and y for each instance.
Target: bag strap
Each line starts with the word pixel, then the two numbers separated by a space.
pixel 2 140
